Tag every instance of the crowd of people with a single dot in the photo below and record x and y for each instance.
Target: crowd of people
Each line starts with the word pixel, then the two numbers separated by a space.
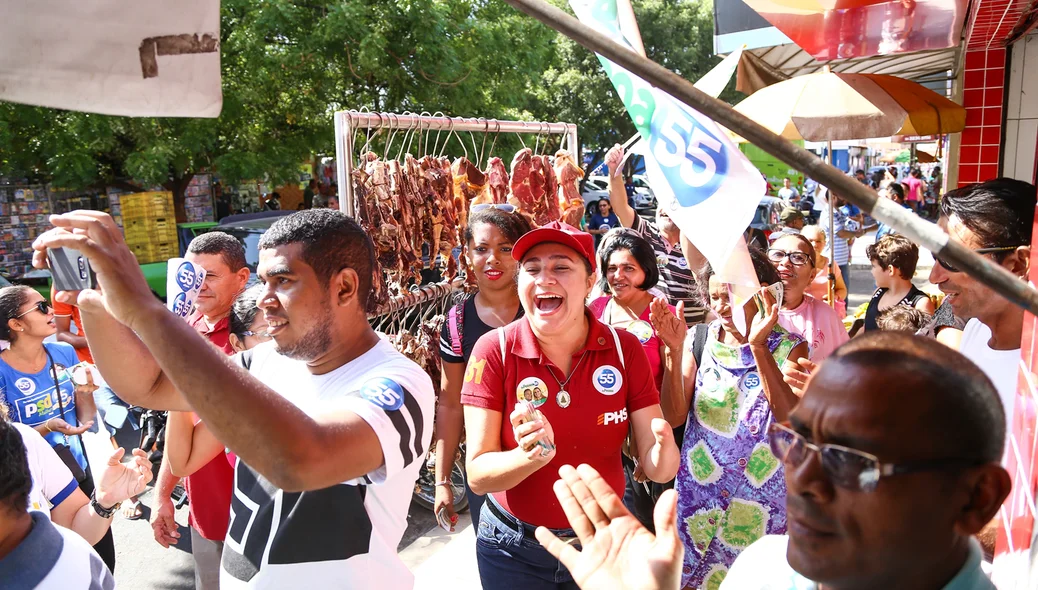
pixel 627 421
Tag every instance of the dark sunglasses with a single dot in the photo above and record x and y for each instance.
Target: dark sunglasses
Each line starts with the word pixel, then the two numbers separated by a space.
pixel 948 267
pixel 501 207
pixel 41 306
pixel 797 258
pixel 846 467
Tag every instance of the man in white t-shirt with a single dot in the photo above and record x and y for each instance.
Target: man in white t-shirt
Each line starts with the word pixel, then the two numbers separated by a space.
pixel 993 218
pixel 788 192
pixel 34 553
pixel 329 423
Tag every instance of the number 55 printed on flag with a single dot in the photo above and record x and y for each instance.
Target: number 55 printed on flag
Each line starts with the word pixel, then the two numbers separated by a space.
pixel 706 185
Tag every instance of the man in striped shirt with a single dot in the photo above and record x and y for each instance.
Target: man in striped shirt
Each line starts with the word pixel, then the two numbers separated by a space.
pixel 846 229
pixel 677 275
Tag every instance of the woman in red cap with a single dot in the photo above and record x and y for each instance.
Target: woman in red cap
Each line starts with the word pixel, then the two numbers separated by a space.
pixel 595 389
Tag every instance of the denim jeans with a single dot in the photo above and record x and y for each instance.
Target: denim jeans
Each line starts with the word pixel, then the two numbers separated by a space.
pixel 511 559
pixel 115 413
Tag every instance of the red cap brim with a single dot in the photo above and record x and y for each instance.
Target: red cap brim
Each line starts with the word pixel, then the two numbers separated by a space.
pixel 584 247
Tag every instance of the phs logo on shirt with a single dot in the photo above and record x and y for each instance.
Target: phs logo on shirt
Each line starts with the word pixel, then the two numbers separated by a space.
pixel 612 417
pixel 607 380
pixel 384 393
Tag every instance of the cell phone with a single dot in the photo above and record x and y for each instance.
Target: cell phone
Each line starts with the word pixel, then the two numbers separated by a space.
pixel 70 270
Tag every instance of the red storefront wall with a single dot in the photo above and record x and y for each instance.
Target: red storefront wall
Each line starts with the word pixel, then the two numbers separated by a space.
pixel 983 81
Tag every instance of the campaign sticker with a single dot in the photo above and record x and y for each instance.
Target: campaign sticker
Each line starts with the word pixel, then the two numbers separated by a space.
pixel 711 379
pixel 186 276
pixel 25 385
pixel 641 329
pixel 682 263
pixel 532 390
pixel 750 381
pixel 181 306
pixel 661 261
pixel 607 380
pixel 384 393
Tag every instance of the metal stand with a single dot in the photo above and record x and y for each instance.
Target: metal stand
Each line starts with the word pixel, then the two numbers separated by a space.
pixel 348 121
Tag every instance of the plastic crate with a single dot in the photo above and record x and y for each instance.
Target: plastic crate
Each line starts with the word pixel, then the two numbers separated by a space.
pixel 147 205
pixel 149 253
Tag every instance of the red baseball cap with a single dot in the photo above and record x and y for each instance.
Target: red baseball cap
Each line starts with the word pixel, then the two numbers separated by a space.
pixel 560 233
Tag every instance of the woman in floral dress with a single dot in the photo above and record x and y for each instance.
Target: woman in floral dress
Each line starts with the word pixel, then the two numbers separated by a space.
pixel 731 489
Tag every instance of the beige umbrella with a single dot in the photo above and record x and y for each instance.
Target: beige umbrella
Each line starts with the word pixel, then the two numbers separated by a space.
pixel 828 106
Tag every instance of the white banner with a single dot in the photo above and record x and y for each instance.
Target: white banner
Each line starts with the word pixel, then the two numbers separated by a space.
pixel 706 185
pixel 146 58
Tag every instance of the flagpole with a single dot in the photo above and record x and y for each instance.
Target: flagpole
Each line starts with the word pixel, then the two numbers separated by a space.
pixel 832 235
pixel 904 221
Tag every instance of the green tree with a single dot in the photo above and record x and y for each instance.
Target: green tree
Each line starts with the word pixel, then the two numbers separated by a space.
pixel 677 34
pixel 286 67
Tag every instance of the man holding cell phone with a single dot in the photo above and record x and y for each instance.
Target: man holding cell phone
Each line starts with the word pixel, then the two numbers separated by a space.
pixel 329 423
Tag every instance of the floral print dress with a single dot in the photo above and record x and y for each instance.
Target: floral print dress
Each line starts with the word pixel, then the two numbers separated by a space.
pixel 731 488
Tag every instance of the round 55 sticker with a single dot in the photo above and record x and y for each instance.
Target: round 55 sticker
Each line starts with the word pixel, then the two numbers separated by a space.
pixel 384 393
pixel 607 380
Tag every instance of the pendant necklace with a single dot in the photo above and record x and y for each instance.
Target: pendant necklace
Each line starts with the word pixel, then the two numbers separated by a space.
pixel 562 398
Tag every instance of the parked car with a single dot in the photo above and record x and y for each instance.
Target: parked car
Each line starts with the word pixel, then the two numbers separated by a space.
pixel 766 218
pixel 595 189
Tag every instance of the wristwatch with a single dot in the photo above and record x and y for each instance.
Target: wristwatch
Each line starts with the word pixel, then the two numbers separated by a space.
pixel 101 510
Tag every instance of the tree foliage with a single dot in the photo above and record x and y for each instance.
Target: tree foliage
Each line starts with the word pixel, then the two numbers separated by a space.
pixel 287 66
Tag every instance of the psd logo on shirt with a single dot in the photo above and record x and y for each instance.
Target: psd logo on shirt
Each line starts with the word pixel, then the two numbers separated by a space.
pixel 384 393
pixel 607 380
pixel 25 385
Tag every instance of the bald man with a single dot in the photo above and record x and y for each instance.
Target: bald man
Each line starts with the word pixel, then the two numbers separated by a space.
pixel 892 466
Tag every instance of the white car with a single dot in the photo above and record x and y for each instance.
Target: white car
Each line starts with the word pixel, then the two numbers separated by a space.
pixel 595 189
pixel 644 198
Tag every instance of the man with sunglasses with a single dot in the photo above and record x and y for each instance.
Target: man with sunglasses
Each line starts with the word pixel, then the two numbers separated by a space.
pixel 994 219
pixel 891 462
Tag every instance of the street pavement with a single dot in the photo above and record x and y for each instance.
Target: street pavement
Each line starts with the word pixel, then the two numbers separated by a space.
pixel 438 559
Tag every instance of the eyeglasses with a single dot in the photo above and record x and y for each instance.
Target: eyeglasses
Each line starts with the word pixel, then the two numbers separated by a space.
pixel 501 207
pixel 260 335
pixel 41 306
pixel 847 467
pixel 797 258
pixel 948 267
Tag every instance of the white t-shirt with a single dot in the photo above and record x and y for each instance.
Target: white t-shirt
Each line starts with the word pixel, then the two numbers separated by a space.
pixel 52 481
pixel 54 558
pixel 787 194
pixel 763 566
pixel 1001 366
pixel 344 536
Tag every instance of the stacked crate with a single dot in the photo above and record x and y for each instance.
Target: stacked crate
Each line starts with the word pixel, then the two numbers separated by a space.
pixel 150 226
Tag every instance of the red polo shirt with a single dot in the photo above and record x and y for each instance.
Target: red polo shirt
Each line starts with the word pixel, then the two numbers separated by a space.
pixel 603 395
pixel 209 489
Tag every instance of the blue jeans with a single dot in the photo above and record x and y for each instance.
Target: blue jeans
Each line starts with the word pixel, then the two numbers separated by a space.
pixel 510 558
pixel 475 502
pixel 115 413
pixel 845 270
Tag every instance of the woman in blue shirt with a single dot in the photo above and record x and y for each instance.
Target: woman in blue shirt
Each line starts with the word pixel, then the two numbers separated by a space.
pixel 29 370
pixel 602 221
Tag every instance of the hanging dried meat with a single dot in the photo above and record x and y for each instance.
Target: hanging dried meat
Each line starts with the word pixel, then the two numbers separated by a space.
pixel 366 214
pixel 568 175
pixel 496 189
pixel 551 191
pixel 522 191
pixel 468 183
